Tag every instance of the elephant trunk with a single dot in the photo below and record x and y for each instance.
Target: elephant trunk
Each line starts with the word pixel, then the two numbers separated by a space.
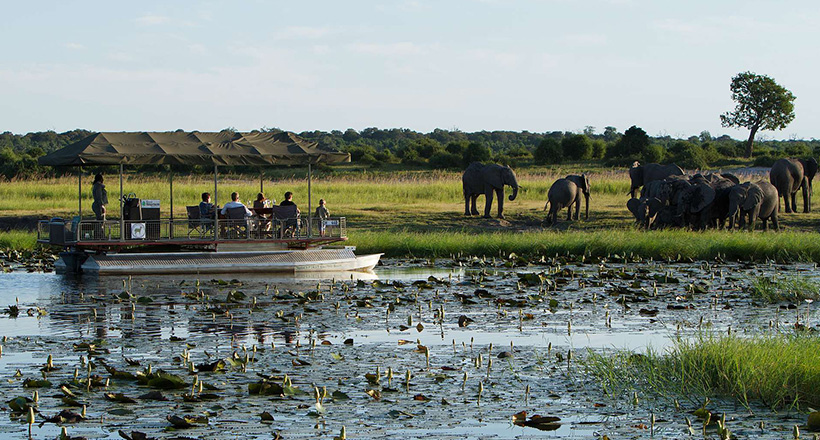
pixel 514 193
pixel 586 210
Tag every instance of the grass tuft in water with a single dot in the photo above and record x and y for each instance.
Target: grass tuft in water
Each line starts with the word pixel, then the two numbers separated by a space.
pixel 778 289
pixel 18 240
pixel 780 371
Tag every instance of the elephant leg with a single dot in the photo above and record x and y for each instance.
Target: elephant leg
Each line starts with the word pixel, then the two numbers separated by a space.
pixel 488 203
pixel 775 225
pixel 806 200
pixel 577 208
pixel 794 202
pixel 500 195
pixel 467 198
pixel 473 200
pixel 569 211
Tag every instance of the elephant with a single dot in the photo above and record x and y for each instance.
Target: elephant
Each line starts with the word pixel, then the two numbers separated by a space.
pixel 487 179
pixel 694 204
pixel 757 200
pixel 563 193
pixel 643 174
pixel 645 210
pixel 790 175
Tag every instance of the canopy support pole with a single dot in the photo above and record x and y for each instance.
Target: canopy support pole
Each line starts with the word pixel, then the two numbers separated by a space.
pixel 80 191
pixel 171 224
pixel 310 207
pixel 216 203
pixel 262 183
pixel 122 209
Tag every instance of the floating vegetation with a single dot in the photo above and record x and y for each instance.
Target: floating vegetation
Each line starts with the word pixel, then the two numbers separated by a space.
pixel 785 288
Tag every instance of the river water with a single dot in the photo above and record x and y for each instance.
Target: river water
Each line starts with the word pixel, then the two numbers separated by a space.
pixel 536 323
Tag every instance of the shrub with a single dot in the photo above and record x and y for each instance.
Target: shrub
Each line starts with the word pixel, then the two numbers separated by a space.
pixel 797 149
pixel 577 147
pixel 598 149
pixel 764 161
pixel 475 152
pixel 445 159
pixel 548 152
pixel 632 143
pixel 653 154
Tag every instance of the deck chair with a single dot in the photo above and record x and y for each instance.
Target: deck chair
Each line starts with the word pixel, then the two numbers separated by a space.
pixel 237 223
pixel 287 218
pixel 197 224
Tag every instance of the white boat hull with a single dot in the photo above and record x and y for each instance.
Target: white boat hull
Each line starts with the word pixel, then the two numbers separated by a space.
pixel 290 261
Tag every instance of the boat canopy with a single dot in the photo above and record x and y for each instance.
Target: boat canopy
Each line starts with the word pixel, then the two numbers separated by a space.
pixel 224 148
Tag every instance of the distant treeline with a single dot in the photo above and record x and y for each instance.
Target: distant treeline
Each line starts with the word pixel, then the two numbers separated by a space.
pixel 454 149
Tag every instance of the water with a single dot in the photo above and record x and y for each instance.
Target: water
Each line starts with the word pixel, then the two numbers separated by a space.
pixel 303 327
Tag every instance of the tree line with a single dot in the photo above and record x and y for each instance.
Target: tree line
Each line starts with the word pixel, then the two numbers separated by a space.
pixel 454 149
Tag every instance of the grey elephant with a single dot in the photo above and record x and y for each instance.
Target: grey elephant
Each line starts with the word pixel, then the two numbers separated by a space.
pixel 645 210
pixel 790 175
pixel 694 204
pixel 564 193
pixel 757 200
pixel 643 174
pixel 487 179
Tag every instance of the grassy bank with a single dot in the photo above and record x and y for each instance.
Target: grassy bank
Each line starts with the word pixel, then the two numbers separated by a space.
pixel 781 371
pixel 758 246
pixel 19 240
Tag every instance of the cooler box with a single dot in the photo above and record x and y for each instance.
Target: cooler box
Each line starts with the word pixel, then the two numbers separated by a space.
pixel 150 213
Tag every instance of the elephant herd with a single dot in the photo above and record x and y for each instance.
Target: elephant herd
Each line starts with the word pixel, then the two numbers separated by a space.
pixel 668 197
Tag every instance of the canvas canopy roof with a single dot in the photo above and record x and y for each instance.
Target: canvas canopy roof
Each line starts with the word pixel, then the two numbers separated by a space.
pixel 193 148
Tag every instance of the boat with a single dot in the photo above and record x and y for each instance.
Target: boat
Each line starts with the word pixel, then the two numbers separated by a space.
pixel 142 241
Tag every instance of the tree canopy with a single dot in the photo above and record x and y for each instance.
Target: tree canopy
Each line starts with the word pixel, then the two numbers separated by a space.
pixel 762 104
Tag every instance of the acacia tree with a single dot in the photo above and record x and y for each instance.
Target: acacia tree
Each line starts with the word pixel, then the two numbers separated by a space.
pixel 762 104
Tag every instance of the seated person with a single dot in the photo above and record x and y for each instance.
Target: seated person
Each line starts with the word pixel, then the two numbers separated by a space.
pixel 235 203
pixel 292 224
pixel 262 202
pixel 206 208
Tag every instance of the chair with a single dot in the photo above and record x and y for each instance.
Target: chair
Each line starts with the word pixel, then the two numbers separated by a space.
pixel 196 223
pixel 237 223
pixel 288 220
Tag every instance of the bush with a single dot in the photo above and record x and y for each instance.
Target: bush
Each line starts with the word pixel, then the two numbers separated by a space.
pixel 507 160
pixel 653 154
pixel 445 159
pixel 764 161
pixel 632 143
pixel 798 149
pixel 598 149
pixel 548 152
pixel 577 147
pixel 475 152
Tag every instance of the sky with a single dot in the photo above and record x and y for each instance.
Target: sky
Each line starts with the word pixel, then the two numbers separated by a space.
pixel 471 65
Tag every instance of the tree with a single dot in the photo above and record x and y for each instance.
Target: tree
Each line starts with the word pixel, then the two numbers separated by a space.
pixel 762 104
pixel 577 147
pixel 631 144
pixel 548 152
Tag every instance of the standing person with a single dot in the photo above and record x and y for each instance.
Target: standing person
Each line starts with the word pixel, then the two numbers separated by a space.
pixel 323 214
pixel 100 196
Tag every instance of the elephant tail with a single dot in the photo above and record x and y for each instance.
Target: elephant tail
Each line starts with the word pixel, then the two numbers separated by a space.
pixel 546 205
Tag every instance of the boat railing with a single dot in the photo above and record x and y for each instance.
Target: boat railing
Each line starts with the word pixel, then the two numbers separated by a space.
pixel 60 232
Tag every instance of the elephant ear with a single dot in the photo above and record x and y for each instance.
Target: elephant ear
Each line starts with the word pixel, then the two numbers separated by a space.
pixel 636 174
pixel 810 168
pixel 705 195
pixel 655 205
pixel 586 183
pixel 754 195
pixel 494 175
pixel 634 206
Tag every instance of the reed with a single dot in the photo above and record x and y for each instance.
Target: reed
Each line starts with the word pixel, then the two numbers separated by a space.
pixel 778 370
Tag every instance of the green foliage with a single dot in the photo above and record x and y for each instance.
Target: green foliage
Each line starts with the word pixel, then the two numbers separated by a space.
pixel 476 152
pixel 548 152
pixel 798 149
pixel 577 147
pixel 445 160
pixel 780 371
pixel 653 154
pixel 792 288
pixel 631 144
pixel 762 104
pixel 599 149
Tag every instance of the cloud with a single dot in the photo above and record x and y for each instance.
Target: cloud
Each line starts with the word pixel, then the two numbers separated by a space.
pixel 73 46
pixel 152 20
pixel 710 29
pixel 389 49
pixel 301 33
pixel 584 39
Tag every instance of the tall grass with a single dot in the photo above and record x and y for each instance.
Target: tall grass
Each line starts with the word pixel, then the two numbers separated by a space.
pixel 785 288
pixel 787 246
pixel 19 240
pixel 781 371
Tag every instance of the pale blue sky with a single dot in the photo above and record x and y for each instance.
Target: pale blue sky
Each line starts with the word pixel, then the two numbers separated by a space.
pixel 537 65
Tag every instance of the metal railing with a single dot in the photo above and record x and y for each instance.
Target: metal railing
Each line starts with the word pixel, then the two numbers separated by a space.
pixel 59 232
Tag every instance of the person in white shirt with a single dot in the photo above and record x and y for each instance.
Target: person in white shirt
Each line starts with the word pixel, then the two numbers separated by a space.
pixel 235 203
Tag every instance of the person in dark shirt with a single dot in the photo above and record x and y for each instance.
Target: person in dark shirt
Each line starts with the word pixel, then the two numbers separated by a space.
pixel 288 200
pixel 206 208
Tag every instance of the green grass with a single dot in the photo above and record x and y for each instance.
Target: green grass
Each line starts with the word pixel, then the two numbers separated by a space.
pixel 781 371
pixel 19 240
pixel 421 213
pixel 673 244
pixel 792 288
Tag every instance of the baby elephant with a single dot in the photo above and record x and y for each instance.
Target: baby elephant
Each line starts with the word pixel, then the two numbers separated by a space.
pixel 753 200
pixel 566 192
